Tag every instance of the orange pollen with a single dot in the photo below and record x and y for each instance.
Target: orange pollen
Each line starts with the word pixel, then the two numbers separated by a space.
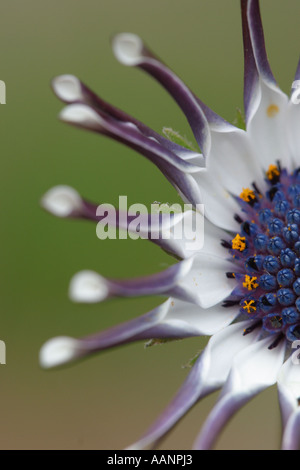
pixel 239 243
pixel 249 306
pixel 247 194
pixel 250 282
pixel 272 110
pixel 272 171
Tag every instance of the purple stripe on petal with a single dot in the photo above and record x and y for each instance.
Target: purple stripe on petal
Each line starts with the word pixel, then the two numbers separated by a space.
pixel 87 117
pixel 291 434
pixel 190 392
pixel 297 74
pixel 216 122
pixel 250 70
pixel 144 59
pixel 159 228
pixel 154 324
pixel 158 284
pixel 71 90
pixel 254 369
pixel 90 287
pixel 173 167
pixel 258 42
pixel 218 418
pixel 207 375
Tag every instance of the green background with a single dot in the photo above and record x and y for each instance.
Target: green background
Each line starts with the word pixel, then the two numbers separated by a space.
pixel 110 399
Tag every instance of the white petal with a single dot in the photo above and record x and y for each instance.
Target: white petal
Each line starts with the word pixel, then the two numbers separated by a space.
pixel 206 282
pixel 67 88
pixel 202 321
pixel 89 287
pixel 128 48
pixel 207 237
pixel 184 235
pixel 212 239
pixel 221 351
pixel 267 126
pixel 58 351
pixel 231 161
pixel 62 201
pixel 220 206
pixel 255 368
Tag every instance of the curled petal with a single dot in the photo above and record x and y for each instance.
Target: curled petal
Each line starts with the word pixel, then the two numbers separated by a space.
pixel 131 51
pixel 200 117
pixel 176 169
pixel 208 374
pixel 89 111
pixel 85 116
pixel 254 369
pixel 71 90
pixel 61 350
pixel 180 234
pixel 172 319
pixel 90 287
pixel 199 279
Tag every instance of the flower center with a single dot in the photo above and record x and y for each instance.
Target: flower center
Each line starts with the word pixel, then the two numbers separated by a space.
pixel 266 252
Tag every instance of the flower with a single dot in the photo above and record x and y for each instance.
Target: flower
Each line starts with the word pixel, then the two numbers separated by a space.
pixel 243 287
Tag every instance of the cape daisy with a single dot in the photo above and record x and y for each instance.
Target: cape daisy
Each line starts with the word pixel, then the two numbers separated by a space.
pixel 243 287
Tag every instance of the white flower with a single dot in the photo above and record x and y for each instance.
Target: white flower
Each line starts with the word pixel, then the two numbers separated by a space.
pixel 243 287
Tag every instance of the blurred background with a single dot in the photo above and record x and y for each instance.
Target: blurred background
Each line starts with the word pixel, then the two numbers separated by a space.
pixel 108 401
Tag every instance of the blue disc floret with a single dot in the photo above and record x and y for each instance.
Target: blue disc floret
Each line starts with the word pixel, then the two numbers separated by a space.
pixel 266 252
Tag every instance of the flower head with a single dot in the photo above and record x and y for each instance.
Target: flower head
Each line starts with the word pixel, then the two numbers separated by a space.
pixel 243 286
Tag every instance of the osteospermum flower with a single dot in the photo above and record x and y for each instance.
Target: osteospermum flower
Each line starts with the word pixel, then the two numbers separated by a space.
pixel 243 286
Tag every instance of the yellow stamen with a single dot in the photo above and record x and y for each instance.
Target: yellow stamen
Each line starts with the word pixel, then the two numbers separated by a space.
pixel 247 194
pixel 272 171
pixel 272 110
pixel 249 306
pixel 239 243
pixel 250 282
